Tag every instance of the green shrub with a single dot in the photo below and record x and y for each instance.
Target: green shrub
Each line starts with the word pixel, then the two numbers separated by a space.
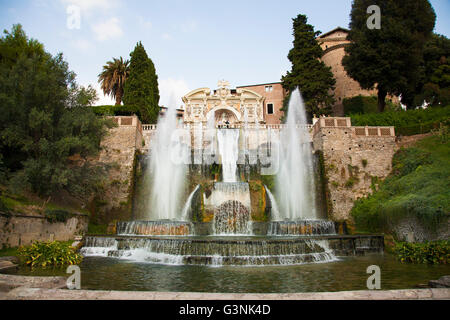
pixel 417 188
pixel 113 110
pixel 57 215
pixel 97 228
pixel 406 123
pixel 363 105
pixel 437 252
pixel 49 254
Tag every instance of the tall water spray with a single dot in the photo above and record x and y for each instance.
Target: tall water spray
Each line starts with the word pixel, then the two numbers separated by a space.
pixel 295 179
pixel 167 173
pixel 228 142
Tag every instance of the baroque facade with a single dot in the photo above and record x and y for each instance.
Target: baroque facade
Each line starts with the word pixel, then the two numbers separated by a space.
pixel 223 105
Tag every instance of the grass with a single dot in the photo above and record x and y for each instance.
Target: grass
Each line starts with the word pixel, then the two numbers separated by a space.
pixel 7 252
pixel 418 187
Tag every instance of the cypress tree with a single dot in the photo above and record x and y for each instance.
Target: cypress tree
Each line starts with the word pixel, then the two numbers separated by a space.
pixel 314 79
pixel 141 88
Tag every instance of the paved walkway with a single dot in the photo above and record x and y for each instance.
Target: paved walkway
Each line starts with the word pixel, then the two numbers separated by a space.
pixel 50 288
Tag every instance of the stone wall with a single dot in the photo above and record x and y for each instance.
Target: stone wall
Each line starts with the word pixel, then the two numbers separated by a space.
pixel 17 230
pixel 355 158
pixel 119 150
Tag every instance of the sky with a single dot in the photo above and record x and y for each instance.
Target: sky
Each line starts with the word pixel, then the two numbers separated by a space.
pixel 193 43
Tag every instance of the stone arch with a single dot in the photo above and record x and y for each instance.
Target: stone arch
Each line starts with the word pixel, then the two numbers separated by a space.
pixel 228 108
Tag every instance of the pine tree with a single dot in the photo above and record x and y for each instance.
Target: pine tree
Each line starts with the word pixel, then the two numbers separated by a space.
pixel 313 78
pixel 389 58
pixel 141 88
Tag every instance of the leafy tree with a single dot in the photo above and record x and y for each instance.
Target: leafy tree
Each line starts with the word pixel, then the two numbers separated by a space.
pixel 113 78
pixel 308 73
pixel 47 132
pixel 434 85
pixel 389 58
pixel 141 89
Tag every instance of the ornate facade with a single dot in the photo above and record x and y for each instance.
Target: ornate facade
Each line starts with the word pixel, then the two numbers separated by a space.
pixel 223 106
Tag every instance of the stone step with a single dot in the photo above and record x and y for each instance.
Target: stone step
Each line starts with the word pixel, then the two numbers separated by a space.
pixel 5 265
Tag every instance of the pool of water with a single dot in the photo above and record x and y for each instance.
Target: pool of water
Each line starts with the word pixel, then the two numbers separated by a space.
pixel 346 274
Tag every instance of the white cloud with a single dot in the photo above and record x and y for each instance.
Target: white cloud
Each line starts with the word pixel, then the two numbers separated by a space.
pixel 88 5
pixel 171 91
pixel 109 29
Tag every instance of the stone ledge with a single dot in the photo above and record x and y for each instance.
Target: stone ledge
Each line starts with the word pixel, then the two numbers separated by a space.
pixel 22 293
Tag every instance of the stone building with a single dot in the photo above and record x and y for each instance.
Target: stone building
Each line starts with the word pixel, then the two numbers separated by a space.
pixel 333 43
pixel 259 104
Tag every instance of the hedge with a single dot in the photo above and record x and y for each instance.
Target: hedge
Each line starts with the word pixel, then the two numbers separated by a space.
pixel 406 122
pixel 112 110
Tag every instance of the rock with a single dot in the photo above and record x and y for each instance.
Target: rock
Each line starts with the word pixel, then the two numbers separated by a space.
pixel 4 265
pixel 443 282
pixel 11 259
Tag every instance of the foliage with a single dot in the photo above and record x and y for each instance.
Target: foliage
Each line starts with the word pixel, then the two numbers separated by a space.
pixel 141 88
pixel 116 110
pixel 418 187
pixel 113 77
pixel 46 127
pixel 308 72
pixel 389 58
pixel 363 104
pixel 434 85
pixel 97 228
pixel 406 122
pixel 437 252
pixel 57 215
pixel 49 254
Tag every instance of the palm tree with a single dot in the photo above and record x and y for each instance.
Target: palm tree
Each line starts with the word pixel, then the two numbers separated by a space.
pixel 113 77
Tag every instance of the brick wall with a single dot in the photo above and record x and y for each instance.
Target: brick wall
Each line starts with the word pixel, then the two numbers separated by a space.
pixel 274 97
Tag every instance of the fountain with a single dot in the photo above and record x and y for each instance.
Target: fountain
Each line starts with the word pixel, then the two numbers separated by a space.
pixel 237 221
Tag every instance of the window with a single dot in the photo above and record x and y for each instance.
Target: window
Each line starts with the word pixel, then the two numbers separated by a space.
pixel 270 108
pixel 269 88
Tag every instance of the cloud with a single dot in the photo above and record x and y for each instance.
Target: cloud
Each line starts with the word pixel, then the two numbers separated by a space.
pixel 89 5
pixel 171 91
pixel 109 29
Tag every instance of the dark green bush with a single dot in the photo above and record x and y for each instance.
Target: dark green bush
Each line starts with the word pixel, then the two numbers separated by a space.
pixel 363 104
pixel 406 122
pixel 114 110
pixel 57 215
pixel 437 252
pixel 46 254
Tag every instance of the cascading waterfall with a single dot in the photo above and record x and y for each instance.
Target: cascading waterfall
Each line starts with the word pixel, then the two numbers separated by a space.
pixel 274 210
pixel 295 180
pixel 167 177
pixel 212 252
pixel 228 143
pixel 232 208
pixel 188 204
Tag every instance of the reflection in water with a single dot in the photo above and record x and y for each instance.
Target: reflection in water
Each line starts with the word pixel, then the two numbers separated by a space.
pixel 347 274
